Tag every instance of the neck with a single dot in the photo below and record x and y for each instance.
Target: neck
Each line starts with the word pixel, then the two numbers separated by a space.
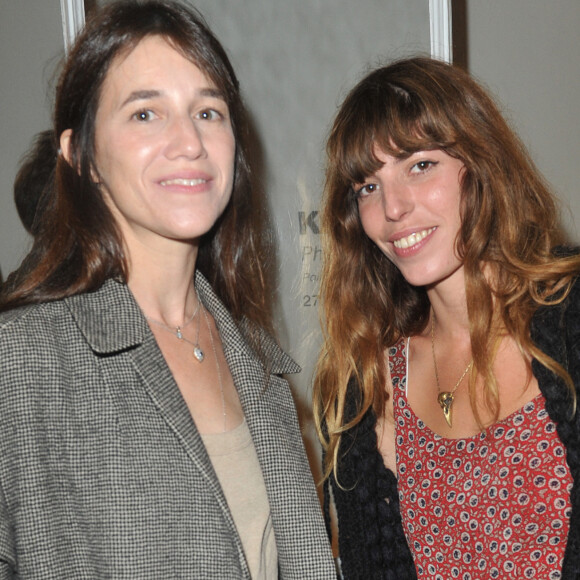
pixel 162 283
pixel 449 305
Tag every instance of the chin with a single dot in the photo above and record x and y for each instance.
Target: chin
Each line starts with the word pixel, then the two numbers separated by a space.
pixel 416 278
pixel 189 230
pixel 420 277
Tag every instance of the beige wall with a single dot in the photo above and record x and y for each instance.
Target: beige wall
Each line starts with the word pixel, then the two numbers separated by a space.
pixel 30 48
pixel 527 52
pixel 296 59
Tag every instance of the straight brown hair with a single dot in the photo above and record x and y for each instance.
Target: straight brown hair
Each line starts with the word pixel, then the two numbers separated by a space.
pixel 77 245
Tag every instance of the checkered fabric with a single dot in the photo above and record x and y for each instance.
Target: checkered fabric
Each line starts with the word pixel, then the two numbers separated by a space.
pixel 102 471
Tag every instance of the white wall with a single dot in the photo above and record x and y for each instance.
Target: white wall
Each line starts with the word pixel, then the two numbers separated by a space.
pixel 527 52
pixel 30 48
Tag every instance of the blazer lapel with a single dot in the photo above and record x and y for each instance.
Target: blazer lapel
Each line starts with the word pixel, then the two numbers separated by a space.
pixel 161 387
pixel 111 321
pixel 271 418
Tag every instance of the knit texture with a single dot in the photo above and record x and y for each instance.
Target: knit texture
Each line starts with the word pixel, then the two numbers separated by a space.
pixel 371 539
pixel 556 331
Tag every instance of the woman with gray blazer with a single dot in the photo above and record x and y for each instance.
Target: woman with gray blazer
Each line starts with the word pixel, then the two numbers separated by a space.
pixel 145 428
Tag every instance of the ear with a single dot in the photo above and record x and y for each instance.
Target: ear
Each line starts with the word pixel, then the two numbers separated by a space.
pixel 65 138
pixel 65 150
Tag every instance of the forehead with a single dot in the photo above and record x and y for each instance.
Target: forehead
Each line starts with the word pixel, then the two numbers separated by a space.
pixel 153 62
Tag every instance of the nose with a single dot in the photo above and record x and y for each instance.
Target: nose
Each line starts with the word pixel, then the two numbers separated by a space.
pixel 184 139
pixel 397 202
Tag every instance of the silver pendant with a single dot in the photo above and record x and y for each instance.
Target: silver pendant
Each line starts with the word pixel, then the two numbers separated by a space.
pixel 198 354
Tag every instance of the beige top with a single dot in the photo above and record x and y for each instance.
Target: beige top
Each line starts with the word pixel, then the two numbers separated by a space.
pixel 236 465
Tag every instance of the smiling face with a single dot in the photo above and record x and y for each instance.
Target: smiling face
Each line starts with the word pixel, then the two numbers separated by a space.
pixel 410 209
pixel 164 146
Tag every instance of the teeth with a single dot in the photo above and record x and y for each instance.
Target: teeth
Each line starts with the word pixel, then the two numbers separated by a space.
pixel 413 239
pixel 186 182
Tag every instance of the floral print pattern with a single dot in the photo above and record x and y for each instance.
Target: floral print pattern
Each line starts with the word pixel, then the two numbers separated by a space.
pixel 495 505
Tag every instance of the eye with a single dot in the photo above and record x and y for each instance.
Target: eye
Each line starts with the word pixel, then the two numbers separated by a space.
pixel 366 190
pixel 422 166
pixel 210 115
pixel 143 115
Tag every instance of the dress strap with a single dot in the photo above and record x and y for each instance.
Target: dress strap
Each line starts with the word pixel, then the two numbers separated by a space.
pixel 398 364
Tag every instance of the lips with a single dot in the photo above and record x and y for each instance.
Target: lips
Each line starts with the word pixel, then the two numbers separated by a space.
pixel 412 239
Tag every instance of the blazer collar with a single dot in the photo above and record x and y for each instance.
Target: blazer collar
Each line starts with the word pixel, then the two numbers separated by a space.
pixel 109 318
pixel 238 335
pixel 111 321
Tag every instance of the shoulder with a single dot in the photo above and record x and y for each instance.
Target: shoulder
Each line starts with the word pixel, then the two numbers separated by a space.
pixel 36 343
pixel 555 328
pixel 267 348
pixel 30 326
pixel 244 337
pixel 572 301
pixel 562 314
pixel 108 319
pixel 44 342
pixel 35 340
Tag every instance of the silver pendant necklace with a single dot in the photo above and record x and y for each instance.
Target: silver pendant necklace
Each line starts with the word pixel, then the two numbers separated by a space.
pixel 197 352
pixel 177 331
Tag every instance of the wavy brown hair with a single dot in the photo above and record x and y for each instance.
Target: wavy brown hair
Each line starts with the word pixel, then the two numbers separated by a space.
pixel 509 225
pixel 77 245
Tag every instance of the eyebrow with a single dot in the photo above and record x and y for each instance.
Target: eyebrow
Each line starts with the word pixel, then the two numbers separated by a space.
pixel 142 95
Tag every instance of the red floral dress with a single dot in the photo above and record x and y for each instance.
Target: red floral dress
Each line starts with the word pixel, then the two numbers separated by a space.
pixel 495 505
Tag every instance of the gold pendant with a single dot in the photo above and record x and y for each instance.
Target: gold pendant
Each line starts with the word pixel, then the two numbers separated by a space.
pixel 445 400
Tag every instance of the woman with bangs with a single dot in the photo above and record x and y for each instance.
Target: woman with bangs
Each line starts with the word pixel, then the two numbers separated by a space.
pixel 446 389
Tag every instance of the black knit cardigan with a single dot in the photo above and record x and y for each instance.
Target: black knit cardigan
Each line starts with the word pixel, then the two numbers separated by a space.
pixel 371 539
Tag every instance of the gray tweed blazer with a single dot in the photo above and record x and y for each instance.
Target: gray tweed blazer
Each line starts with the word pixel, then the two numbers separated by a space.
pixel 102 471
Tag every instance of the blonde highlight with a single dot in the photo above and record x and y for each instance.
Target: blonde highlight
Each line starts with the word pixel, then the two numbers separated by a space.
pixel 506 242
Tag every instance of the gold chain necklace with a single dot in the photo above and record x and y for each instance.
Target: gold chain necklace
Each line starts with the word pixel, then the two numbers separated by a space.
pixel 445 398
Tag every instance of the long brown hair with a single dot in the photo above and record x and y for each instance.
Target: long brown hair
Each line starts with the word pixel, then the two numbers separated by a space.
pixel 77 245
pixel 509 224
